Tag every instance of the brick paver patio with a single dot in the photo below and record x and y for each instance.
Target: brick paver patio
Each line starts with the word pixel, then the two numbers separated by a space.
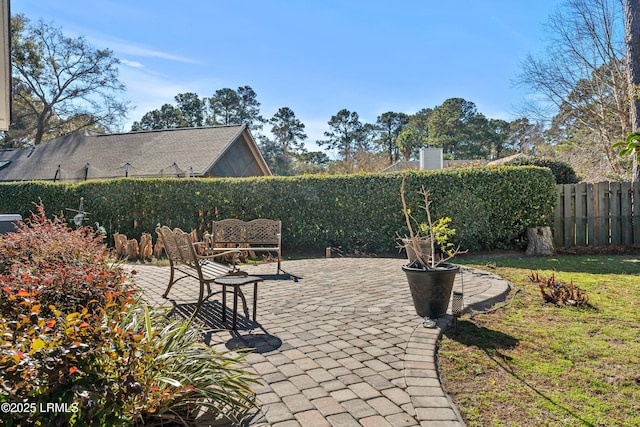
pixel 341 346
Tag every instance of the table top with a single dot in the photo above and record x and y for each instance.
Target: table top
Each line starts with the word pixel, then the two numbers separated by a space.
pixel 237 280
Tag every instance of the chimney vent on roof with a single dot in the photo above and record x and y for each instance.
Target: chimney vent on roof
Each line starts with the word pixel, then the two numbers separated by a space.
pixel 431 158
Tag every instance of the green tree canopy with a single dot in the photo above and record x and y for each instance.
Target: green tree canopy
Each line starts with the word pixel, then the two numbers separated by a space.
pixel 346 134
pixel 228 106
pixel 414 135
pixel 167 117
pixel 192 108
pixel 287 130
pixel 458 128
pixel 223 107
pixel 249 108
pixel 287 143
pixel 388 127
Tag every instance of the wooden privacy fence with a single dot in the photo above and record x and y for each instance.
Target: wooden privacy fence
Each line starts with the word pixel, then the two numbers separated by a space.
pixel 605 213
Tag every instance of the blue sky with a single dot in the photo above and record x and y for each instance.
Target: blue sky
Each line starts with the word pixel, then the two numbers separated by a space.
pixel 313 56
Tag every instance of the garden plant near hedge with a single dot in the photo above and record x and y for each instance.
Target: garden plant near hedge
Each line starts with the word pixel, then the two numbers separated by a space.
pixel 74 334
pixel 562 171
pixel 490 207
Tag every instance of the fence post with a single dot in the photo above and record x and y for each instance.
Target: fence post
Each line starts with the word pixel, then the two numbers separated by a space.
pixel 581 214
pixel 625 212
pixel 614 206
pixel 591 215
pixel 559 215
pixel 602 219
pixel 636 213
pixel 569 215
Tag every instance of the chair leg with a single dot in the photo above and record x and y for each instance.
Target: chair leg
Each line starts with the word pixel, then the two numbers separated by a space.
pixel 255 299
pixel 235 306
pixel 224 304
pixel 171 276
pixel 200 299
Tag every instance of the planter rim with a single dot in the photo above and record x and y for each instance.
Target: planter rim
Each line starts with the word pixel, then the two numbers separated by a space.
pixel 420 239
pixel 440 268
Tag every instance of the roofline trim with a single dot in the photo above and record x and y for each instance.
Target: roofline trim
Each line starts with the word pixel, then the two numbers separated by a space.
pixel 258 154
pixel 251 144
pixel 168 130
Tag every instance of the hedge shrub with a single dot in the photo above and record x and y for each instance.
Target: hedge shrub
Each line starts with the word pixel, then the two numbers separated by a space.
pixel 490 207
pixel 562 171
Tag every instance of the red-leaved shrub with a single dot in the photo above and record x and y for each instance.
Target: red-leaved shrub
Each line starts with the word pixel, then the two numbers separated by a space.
pixel 74 334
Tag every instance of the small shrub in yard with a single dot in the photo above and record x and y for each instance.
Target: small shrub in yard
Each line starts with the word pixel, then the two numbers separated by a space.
pixel 562 171
pixel 557 292
pixel 74 334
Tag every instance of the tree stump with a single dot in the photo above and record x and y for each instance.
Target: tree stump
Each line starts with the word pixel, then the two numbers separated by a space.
pixel 540 241
pixel 133 248
pixel 146 247
pixel 120 244
pixel 158 248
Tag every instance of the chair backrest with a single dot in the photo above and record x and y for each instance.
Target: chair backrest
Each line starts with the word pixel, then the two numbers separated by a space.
pixel 178 246
pixel 258 231
pixel 229 231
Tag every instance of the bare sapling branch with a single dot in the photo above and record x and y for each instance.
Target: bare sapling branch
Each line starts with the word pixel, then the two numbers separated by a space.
pixel 439 233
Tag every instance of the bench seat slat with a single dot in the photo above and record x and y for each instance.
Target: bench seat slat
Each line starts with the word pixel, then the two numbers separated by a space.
pixel 249 248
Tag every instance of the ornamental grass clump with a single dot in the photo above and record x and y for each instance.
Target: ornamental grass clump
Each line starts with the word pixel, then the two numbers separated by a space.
pixel 74 333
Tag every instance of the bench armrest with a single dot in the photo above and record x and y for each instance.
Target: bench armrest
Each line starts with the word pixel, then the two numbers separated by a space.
pixel 218 254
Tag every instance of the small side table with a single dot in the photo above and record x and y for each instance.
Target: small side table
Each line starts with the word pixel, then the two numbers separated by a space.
pixel 236 282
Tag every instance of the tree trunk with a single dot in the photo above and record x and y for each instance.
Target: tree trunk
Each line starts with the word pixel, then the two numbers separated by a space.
pixel 540 241
pixel 632 43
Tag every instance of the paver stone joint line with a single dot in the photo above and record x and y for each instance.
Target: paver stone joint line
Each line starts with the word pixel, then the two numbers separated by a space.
pixel 374 365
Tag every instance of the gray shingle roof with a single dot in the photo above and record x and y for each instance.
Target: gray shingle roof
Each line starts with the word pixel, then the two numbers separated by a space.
pixel 189 151
pixel 415 165
pixel 402 166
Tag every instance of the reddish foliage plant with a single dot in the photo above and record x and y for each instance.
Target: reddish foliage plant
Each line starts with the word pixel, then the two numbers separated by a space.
pixel 59 294
pixel 72 333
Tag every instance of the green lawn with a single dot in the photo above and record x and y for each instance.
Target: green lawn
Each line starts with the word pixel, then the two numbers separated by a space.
pixel 530 363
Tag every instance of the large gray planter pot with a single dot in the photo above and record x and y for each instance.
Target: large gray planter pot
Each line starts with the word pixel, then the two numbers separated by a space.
pixel 431 289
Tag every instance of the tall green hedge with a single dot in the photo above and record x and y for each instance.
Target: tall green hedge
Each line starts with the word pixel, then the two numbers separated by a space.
pixel 490 207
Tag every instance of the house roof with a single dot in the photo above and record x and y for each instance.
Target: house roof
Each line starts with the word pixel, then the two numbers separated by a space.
pixel 157 153
pixel 503 160
pixel 415 165
pixel 402 166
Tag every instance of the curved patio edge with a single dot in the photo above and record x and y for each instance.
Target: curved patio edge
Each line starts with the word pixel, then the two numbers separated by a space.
pixel 433 407
pixel 341 346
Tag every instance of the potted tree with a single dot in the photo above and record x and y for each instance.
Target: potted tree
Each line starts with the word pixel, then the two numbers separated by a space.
pixel 441 232
pixel 429 275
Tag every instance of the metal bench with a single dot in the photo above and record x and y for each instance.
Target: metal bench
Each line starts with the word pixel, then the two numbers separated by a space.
pixel 9 222
pixel 259 235
pixel 184 258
